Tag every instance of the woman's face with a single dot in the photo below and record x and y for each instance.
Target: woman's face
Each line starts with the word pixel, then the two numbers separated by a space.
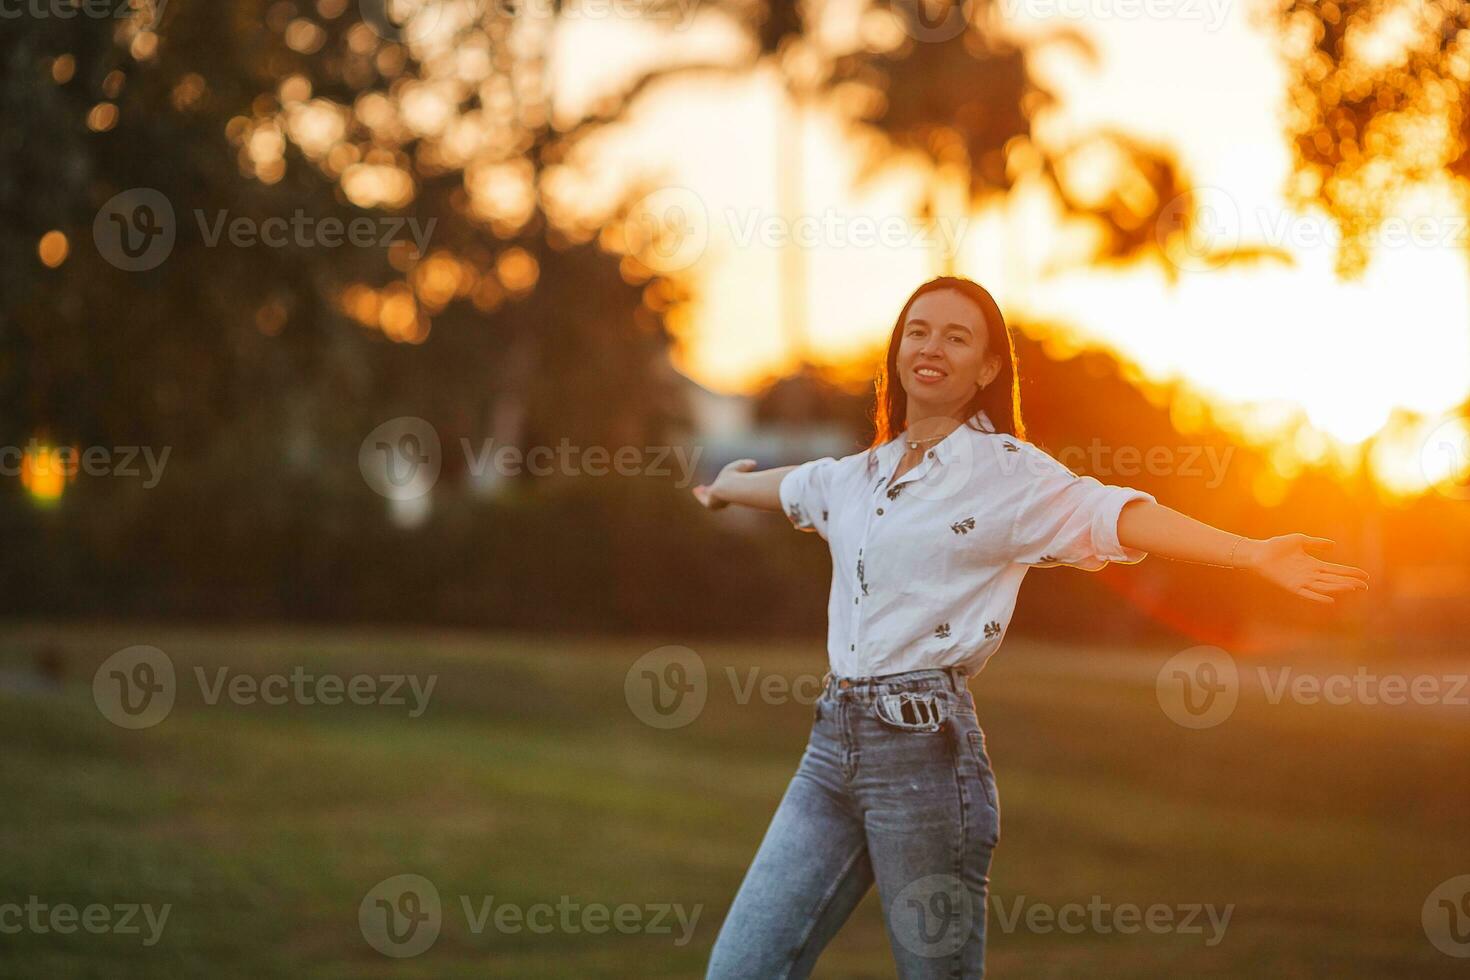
pixel 942 353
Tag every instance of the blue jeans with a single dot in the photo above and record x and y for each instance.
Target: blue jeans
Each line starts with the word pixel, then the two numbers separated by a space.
pixel 895 788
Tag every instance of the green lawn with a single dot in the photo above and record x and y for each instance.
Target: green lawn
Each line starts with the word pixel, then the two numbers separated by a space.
pixel 529 780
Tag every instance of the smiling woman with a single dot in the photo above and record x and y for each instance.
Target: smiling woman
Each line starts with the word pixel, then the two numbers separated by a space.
pixel 931 531
pixel 950 346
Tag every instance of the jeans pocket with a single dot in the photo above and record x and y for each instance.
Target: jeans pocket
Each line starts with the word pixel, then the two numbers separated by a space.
pixel 912 711
pixel 981 759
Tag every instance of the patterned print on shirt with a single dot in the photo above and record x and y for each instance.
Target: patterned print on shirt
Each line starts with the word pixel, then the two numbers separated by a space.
pixel 1011 447
pixel 942 631
pixel 893 492
pixel 798 516
pixel 861 584
pixel 992 629
pixel 1048 558
pixel 963 527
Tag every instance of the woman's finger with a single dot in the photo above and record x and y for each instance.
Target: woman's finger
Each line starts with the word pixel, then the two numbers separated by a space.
pixel 1310 542
pixel 1337 583
pixel 1351 570
pixel 1307 593
pixel 1331 576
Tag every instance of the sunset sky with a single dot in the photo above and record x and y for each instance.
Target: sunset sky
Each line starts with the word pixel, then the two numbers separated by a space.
pixel 1287 355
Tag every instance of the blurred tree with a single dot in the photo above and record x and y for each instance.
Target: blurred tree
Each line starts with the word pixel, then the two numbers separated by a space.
pixel 947 82
pixel 306 345
pixel 1378 91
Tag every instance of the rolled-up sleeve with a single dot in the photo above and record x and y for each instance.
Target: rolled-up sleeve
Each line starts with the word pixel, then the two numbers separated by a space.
pixel 804 494
pixel 1066 519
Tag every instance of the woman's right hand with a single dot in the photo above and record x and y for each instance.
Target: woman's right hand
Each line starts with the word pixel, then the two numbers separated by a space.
pixel 713 495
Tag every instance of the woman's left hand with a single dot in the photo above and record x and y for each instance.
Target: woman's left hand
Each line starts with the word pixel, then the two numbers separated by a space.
pixel 1284 560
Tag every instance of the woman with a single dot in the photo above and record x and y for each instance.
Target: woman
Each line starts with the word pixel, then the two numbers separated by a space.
pixel 931 531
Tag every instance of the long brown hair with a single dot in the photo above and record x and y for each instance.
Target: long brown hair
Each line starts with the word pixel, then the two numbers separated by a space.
pixel 1001 399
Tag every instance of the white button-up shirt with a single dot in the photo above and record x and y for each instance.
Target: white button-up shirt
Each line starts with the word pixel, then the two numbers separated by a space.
pixel 925 571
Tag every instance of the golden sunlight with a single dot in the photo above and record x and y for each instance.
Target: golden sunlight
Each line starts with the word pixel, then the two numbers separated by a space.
pixel 44 472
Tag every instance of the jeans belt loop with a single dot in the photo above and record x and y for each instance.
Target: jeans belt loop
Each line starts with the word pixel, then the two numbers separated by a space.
pixel 957 679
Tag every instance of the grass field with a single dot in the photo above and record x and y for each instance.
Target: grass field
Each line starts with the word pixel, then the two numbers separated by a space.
pixel 528 778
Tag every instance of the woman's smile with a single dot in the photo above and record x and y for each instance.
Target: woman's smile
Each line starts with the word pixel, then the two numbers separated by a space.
pixel 930 374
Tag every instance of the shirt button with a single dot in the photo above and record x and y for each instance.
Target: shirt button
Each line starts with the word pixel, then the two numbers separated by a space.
pixel 931 454
pixel 880 511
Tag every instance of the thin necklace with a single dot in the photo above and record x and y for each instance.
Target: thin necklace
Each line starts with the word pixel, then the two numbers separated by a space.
pixel 916 443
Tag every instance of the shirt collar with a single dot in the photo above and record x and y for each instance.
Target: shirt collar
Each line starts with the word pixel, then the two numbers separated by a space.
pixel 944 450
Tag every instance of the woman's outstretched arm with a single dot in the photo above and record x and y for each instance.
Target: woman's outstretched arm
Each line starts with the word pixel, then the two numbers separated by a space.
pixel 1283 560
pixel 739 484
